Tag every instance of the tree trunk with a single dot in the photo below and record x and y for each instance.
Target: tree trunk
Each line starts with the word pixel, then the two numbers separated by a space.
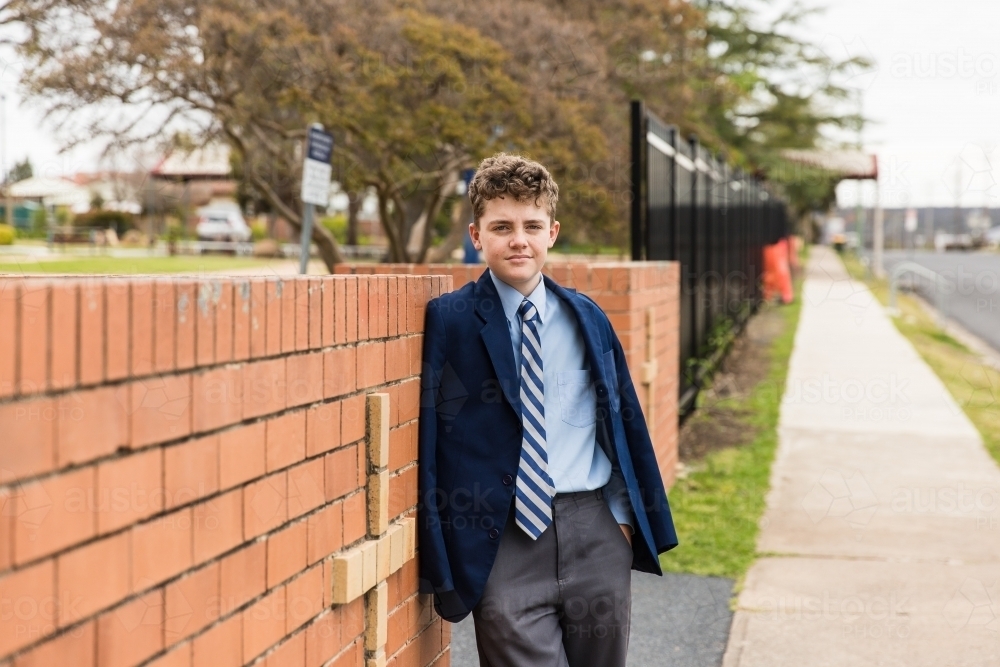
pixel 461 216
pixel 353 206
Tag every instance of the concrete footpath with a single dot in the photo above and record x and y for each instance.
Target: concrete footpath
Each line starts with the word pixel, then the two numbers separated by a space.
pixel 881 539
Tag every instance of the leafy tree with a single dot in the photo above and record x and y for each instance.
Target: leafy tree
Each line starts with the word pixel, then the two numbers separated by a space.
pixel 20 171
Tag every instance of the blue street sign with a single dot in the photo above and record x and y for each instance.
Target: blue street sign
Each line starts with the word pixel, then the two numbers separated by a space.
pixel 320 145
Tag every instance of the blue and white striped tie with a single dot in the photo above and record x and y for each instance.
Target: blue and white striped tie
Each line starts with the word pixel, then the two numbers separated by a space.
pixel 534 491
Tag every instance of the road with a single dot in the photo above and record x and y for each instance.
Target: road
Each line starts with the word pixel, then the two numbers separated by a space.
pixel 974 302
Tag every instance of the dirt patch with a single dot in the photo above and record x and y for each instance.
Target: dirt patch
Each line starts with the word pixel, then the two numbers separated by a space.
pixel 719 422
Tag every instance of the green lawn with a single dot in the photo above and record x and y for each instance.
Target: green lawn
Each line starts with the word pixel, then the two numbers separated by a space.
pixel 973 384
pixel 134 265
pixel 718 506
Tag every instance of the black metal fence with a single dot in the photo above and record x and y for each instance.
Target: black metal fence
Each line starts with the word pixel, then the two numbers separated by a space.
pixel 690 206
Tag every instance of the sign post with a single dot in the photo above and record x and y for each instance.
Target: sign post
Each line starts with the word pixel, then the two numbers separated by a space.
pixel 316 172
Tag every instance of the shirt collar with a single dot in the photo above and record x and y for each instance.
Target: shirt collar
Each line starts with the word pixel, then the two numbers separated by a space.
pixel 511 298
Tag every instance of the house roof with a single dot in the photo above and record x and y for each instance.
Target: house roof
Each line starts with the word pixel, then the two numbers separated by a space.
pixel 211 161
pixel 849 164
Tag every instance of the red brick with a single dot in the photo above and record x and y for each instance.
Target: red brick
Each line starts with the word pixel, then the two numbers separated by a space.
pixel 131 633
pixel 129 489
pixel 322 428
pixel 392 312
pixel 376 307
pixel 402 445
pixel 397 359
pixel 218 398
pixel 352 419
pixel 292 653
pixel 341 472
pixel 314 316
pixel 78 642
pixel 91 423
pixel 161 549
pixel 161 409
pixel 53 513
pixel 242 455
pixel 65 334
pixel 263 624
pixel 351 319
pixel 355 521
pixel 218 525
pixel 288 314
pixel 371 365
pixel 401 305
pixel 408 400
pixel 243 576
pixel 204 325
pixel 93 577
pixel 141 320
pixel 28 443
pixel 115 331
pixel 415 353
pixel 30 588
pixel 352 655
pixel 272 299
pixel 328 324
pixel 304 378
pixel 221 646
pixel 365 314
pixel 91 333
pixel 265 505
pixel 305 487
pixel 286 440
pixel 222 307
pixel 7 528
pixel 340 310
pixel 9 300
pixel 34 336
pixel 325 532
pixel 191 470
pixel 302 303
pixel 263 387
pixel 286 553
pixel 187 315
pixel 164 325
pixel 304 598
pixel 339 371
pixel 178 656
pixel 256 319
pixel 192 603
pixel 402 491
pixel 323 639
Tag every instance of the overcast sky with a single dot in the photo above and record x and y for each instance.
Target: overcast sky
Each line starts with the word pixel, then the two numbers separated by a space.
pixel 934 99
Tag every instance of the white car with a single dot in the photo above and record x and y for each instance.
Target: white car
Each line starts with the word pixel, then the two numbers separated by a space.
pixel 221 224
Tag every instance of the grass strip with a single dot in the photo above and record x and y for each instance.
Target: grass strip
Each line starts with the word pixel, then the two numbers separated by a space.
pixel 718 506
pixel 974 384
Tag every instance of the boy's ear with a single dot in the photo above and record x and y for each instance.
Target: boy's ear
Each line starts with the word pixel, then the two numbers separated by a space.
pixel 474 234
pixel 553 232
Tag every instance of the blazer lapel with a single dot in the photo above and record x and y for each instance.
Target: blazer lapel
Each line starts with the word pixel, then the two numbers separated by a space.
pixel 496 336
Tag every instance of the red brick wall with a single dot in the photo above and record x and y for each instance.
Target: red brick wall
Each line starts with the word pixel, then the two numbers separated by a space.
pixel 628 292
pixel 180 459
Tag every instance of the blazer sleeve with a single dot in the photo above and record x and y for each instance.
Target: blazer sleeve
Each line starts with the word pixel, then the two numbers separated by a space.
pixel 435 570
pixel 644 464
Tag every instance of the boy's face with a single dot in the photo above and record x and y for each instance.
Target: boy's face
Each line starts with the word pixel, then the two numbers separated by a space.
pixel 515 238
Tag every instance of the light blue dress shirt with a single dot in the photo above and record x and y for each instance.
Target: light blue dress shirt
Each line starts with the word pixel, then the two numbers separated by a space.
pixel 576 461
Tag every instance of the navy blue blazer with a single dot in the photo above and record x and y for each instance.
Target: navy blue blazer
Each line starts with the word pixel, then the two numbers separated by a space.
pixel 470 440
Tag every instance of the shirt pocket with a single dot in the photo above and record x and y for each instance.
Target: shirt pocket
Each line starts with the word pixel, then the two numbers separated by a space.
pixel 577 400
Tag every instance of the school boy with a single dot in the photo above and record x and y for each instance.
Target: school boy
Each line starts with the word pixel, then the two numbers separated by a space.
pixel 539 490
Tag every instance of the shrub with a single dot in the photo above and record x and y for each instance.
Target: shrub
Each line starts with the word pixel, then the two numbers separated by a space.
pixel 119 220
pixel 6 234
pixel 258 230
pixel 336 225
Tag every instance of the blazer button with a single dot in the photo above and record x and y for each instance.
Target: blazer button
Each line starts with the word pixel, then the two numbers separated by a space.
pixel 494 533
pixel 507 479
pixel 602 392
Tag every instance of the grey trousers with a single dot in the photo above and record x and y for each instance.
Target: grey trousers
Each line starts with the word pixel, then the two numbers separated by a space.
pixel 564 600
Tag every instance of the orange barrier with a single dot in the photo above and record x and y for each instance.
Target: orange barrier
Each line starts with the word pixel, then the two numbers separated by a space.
pixel 777 275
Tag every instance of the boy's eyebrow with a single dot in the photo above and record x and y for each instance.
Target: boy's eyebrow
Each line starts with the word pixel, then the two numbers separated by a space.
pixel 505 221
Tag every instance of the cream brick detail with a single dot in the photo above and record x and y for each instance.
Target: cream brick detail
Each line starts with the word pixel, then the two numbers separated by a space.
pixel 370 555
pixel 378 430
pixel 377 617
pixel 377 660
pixel 378 503
pixel 348 576
pixel 396 546
pixel 409 538
pixel 382 569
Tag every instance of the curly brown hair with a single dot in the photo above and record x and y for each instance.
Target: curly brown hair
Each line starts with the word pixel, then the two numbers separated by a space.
pixel 517 176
